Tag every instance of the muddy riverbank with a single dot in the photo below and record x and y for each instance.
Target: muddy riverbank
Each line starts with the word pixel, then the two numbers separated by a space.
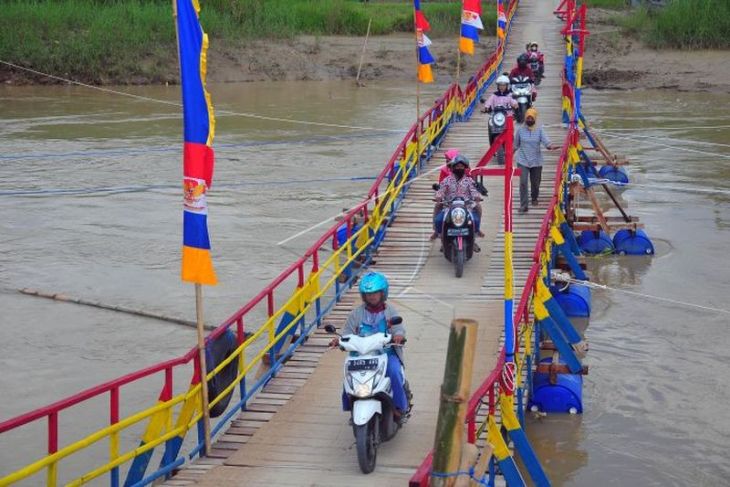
pixel 617 61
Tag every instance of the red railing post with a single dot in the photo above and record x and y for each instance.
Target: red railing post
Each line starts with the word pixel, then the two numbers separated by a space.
pixel 52 432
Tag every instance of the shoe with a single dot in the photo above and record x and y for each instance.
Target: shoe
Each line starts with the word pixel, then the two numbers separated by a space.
pixel 534 202
pixel 476 248
pixel 480 234
pixel 433 236
pixel 522 210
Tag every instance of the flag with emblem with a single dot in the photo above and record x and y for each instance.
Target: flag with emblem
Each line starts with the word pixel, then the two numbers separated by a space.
pixel 198 131
pixel 425 59
pixel 471 24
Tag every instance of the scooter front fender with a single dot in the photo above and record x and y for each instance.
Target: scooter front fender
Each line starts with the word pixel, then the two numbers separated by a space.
pixel 364 409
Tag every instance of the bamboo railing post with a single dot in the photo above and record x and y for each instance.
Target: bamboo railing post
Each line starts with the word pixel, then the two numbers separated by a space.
pixel 455 390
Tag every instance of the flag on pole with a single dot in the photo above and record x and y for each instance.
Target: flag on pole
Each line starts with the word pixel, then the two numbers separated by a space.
pixel 198 130
pixel 501 20
pixel 471 24
pixel 425 59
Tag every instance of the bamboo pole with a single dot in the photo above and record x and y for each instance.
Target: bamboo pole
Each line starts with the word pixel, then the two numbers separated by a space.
pixel 203 367
pixel 198 305
pixel 362 54
pixel 455 391
pixel 418 93
pixel 119 309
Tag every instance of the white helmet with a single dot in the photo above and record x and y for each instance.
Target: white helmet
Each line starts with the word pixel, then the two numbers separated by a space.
pixel 502 80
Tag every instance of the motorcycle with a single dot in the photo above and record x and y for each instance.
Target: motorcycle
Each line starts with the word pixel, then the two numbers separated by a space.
pixel 522 92
pixel 537 68
pixel 369 391
pixel 457 235
pixel 496 125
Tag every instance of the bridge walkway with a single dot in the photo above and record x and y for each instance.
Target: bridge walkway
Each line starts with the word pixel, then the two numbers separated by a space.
pixel 294 432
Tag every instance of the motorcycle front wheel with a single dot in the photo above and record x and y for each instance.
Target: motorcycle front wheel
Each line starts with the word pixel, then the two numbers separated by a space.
pixel 520 114
pixel 459 261
pixel 366 447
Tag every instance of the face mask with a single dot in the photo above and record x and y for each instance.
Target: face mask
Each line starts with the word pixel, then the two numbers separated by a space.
pixel 459 172
pixel 534 49
pixel 530 123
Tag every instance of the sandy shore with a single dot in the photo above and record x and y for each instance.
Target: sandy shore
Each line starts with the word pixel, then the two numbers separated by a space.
pixel 613 61
pixel 331 57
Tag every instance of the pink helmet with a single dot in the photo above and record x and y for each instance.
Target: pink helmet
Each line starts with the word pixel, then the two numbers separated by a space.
pixel 451 154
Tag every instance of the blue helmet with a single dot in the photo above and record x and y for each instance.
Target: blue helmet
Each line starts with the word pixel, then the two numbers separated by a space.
pixel 373 282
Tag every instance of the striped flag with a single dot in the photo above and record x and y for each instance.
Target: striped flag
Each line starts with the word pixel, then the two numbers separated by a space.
pixel 471 24
pixel 198 129
pixel 425 59
pixel 501 20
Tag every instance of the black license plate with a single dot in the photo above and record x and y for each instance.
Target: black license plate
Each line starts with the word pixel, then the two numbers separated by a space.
pixel 457 232
pixel 362 364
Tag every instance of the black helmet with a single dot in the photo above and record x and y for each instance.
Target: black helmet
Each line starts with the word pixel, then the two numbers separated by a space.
pixel 523 60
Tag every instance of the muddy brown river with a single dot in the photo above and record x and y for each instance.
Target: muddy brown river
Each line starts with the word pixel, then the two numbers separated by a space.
pixel 90 200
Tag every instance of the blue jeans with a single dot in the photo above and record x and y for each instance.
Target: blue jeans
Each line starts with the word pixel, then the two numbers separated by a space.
pixel 438 221
pixel 394 373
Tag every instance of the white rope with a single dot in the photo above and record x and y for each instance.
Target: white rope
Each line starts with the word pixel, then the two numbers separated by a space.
pixel 218 112
pixel 649 296
pixel 329 219
pixel 660 187
pixel 691 141
pixel 624 129
pixel 667 146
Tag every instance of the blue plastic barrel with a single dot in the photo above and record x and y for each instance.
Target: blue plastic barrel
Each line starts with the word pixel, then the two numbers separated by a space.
pixel 593 243
pixel 575 300
pixel 614 173
pixel 629 242
pixel 561 397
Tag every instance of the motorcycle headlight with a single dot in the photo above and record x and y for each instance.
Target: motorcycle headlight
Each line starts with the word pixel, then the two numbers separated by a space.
pixel 458 216
pixel 363 390
pixel 499 118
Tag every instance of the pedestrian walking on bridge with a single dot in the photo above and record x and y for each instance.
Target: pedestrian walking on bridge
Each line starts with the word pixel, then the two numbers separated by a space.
pixel 528 140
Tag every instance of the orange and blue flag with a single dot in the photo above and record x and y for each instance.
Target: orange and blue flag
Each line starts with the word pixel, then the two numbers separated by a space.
pixel 471 24
pixel 501 20
pixel 425 59
pixel 198 159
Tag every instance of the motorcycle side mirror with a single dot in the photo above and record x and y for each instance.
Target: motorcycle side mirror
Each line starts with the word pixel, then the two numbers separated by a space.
pixel 396 320
pixel 436 186
pixel 482 100
pixel 330 329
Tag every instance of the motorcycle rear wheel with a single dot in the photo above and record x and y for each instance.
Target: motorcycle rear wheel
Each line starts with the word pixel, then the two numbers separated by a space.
pixel 367 449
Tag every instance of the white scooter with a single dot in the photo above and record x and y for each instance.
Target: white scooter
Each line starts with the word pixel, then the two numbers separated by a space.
pixel 370 393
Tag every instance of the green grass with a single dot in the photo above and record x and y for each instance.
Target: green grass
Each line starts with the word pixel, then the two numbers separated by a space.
pixel 683 24
pixel 103 40
pixel 612 4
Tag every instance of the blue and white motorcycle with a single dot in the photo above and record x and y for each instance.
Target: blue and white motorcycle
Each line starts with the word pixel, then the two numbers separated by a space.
pixel 369 392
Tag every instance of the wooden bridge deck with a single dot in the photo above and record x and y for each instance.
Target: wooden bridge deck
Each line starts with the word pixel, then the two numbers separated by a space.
pixel 294 432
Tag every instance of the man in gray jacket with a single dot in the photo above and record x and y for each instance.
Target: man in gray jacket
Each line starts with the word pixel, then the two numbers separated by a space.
pixel 374 316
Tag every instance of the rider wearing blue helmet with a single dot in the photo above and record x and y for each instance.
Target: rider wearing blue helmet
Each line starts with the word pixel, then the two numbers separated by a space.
pixel 374 316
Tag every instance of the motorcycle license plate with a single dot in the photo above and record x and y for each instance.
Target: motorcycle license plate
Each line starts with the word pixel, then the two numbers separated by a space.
pixel 457 232
pixel 362 364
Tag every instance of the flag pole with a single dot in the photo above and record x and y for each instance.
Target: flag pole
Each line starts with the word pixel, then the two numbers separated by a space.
pixel 198 301
pixel 203 366
pixel 418 91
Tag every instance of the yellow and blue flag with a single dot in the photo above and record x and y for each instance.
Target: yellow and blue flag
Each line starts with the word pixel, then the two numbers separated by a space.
pixel 425 59
pixel 471 24
pixel 501 20
pixel 198 158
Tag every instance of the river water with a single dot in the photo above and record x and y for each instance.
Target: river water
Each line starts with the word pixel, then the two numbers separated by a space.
pixel 91 204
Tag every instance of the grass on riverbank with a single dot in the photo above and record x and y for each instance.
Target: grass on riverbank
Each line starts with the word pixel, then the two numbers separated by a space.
pixel 683 24
pixel 122 40
pixel 612 4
